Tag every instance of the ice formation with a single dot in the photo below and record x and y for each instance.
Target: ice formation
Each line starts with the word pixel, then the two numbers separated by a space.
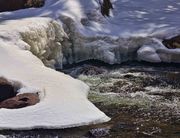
pixel 64 100
pixel 133 32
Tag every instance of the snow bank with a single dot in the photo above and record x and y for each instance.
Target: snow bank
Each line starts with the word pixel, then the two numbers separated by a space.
pixel 64 100
pixel 112 40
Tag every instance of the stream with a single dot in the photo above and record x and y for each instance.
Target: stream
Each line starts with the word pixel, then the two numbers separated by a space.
pixel 143 100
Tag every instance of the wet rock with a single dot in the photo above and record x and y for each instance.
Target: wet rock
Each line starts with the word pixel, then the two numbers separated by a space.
pixel 20 101
pixel 122 86
pixel 99 132
pixel 6 90
pixel 166 95
pixel 125 86
pixel 34 3
pixel 124 126
pixel 89 70
pixel 85 22
pixel 172 79
pixel 143 80
pixel 105 89
pixel 172 43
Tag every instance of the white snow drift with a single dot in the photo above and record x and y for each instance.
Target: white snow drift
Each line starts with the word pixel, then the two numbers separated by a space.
pixel 63 99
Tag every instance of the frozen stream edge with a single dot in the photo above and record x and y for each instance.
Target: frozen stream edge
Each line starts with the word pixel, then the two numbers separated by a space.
pixel 48 41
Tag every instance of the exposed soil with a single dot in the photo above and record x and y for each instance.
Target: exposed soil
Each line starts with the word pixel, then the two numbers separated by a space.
pixel 20 101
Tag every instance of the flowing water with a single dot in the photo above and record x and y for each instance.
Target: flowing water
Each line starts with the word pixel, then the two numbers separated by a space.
pixel 142 99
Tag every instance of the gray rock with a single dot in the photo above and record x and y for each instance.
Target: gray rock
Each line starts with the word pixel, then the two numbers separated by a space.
pixel 99 132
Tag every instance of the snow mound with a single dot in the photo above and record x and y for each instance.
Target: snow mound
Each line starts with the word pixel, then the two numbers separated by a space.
pixel 64 100
pixel 156 52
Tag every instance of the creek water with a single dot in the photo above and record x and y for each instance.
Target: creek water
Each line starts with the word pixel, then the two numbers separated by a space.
pixel 142 99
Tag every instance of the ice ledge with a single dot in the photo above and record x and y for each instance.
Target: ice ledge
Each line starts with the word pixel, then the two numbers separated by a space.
pixel 116 50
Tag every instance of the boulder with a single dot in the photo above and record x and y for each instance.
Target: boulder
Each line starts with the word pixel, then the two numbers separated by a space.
pixel 20 101
pixel 34 3
pixel 91 70
pixel 99 132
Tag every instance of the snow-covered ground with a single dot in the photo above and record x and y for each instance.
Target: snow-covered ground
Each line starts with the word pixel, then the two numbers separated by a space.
pixel 133 32
pixel 130 17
